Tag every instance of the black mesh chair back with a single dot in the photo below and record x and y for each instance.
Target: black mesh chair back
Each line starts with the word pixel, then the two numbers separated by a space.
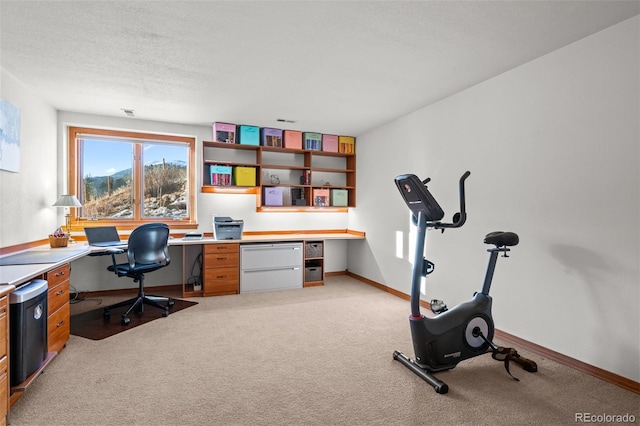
pixel 148 247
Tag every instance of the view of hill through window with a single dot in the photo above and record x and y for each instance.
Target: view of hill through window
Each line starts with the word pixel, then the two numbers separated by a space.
pixel 109 168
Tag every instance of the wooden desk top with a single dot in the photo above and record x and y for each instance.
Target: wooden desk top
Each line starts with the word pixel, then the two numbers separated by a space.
pixel 14 275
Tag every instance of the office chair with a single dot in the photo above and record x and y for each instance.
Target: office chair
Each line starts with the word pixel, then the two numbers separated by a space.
pixel 147 251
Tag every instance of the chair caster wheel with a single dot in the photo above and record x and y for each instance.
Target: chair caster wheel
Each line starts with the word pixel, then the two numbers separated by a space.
pixel 170 302
pixel 125 320
pixel 165 313
pixel 106 314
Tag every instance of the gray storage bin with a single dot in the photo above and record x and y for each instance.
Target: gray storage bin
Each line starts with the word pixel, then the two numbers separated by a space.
pixel 313 249
pixel 312 273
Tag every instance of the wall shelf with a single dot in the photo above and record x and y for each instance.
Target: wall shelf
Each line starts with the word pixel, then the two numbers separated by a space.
pixel 286 179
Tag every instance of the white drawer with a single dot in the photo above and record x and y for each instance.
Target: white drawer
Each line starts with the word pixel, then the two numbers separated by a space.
pixel 270 279
pixel 270 256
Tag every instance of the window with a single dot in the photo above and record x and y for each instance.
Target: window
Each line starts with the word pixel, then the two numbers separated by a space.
pixel 128 178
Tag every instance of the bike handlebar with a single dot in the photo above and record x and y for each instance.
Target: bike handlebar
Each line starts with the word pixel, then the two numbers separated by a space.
pixel 461 217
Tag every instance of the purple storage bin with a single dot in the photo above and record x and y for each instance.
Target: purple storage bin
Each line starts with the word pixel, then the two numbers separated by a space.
pixel 271 137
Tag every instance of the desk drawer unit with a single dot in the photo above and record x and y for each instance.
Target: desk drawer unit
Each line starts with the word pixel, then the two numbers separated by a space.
pixel 265 267
pixel 58 320
pixel 221 269
pixel 58 329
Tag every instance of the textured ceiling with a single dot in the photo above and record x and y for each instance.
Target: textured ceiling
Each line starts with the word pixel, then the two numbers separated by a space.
pixel 332 66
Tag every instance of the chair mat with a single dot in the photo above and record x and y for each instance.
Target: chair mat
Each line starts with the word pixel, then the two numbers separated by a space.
pixel 92 324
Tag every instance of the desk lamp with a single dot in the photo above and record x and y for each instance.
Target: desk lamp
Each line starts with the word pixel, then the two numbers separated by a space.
pixel 68 201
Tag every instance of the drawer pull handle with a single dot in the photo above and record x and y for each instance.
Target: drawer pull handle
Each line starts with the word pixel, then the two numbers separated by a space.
pixel 60 324
pixel 221 276
pixel 59 274
pixel 60 293
pixel 221 258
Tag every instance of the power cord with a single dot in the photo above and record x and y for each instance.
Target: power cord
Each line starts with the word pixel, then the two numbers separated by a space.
pixel 76 296
pixel 196 280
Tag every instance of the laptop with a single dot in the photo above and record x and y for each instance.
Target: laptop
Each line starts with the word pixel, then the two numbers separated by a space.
pixel 103 236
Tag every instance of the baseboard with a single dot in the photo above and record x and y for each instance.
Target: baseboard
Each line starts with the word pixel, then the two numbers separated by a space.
pixel 561 359
pixel 589 369
pixel 385 288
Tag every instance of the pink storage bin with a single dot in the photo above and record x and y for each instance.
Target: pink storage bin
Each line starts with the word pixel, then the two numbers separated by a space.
pixel 330 143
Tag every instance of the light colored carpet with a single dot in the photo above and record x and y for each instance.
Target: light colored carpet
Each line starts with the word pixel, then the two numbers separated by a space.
pixel 314 356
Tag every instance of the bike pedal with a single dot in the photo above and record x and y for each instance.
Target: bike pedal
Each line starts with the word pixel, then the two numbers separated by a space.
pixel 437 306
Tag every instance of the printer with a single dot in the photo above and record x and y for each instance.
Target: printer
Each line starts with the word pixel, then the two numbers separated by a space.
pixel 225 228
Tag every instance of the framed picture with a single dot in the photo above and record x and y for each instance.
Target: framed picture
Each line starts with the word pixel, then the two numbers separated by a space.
pixel 9 137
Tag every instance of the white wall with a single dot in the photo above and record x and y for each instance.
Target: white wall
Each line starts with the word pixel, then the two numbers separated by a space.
pixel 553 150
pixel 26 213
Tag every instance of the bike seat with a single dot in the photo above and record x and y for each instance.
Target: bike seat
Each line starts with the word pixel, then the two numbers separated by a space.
pixel 501 239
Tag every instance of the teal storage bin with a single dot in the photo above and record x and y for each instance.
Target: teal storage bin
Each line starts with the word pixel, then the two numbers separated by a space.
pixel 249 135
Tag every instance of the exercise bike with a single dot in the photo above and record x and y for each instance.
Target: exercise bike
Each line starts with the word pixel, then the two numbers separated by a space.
pixel 465 331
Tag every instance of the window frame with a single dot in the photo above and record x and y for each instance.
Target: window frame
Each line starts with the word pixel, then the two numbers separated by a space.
pixel 78 223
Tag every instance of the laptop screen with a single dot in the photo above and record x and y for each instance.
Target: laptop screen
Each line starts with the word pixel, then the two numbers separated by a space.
pixel 102 235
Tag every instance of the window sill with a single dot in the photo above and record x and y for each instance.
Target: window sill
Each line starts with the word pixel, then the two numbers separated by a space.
pixel 124 224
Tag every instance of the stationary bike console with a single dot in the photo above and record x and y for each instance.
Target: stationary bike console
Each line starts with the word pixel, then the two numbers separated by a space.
pixel 418 198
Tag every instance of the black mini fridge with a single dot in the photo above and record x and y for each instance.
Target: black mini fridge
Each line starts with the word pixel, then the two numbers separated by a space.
pixel 28 329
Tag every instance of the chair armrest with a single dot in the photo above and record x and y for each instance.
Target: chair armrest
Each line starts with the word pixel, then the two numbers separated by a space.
pixel 113 251
pixel 108 251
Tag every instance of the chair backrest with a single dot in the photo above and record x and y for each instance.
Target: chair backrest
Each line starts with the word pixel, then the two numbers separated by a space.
pixel 148 244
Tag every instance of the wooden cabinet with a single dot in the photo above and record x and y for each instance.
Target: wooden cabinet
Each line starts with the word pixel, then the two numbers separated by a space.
pixel 313 263
pixel 284 178
pixel 221 266
pixel 4 358
pixel 58 308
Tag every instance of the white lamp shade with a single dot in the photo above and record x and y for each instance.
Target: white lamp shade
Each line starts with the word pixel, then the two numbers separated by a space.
pixel 67 201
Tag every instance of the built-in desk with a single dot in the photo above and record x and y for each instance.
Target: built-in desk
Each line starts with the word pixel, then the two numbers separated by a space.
pixel 221 274
pixel 17 275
